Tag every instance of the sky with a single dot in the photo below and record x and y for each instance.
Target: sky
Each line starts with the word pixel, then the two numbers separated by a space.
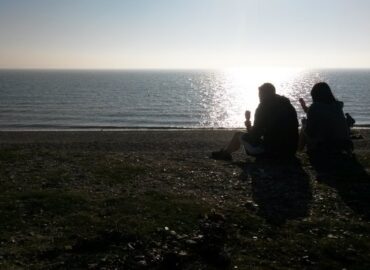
pixel 173 34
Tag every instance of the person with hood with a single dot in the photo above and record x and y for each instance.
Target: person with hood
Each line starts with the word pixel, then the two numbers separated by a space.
pixel 326 127
pixel 274 131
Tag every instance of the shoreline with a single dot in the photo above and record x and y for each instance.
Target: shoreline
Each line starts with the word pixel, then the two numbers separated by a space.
pixel 134 129
pixel 190 142
pixel 118 129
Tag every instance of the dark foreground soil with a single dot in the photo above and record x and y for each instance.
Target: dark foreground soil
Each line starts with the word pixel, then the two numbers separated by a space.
pixel 154 200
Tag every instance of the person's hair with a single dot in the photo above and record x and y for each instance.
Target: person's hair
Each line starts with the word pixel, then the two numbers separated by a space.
pixel 267 90
pixel 321 92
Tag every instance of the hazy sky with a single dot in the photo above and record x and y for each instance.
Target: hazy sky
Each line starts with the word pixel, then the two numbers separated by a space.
pixel 184 33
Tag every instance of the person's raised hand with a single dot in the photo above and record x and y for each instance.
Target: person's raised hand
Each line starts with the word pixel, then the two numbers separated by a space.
pixel 303 104
pixel 248 115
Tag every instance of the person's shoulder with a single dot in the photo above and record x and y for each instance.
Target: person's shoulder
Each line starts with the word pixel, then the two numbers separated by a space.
pixel 315 106
pixel 325 106
pixel 319 107
pixel 282 98
pixel 340 104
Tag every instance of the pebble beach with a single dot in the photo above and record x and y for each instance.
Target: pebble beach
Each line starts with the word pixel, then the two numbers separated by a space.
pixel 154 199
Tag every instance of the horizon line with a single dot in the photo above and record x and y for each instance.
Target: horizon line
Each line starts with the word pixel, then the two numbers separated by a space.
pixel 179 68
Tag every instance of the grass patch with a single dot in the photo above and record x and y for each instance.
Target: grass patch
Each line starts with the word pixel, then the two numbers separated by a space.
pixel 113 170
pixel 147 212
pixel 51 202
pixel 20 209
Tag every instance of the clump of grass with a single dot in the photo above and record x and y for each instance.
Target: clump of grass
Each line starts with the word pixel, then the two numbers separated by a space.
pixel 114 170
pixel 20 208
pixel 52 202
pixel 8 155
pixel 151 210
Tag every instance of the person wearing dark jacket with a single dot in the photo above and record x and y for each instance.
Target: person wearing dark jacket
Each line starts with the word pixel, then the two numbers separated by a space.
pixel 326 129
pixel 274 131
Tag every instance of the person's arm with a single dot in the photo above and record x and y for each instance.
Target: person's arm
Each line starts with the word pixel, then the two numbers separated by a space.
pixel 312 122
pixel 247 122
pixel 303 105
pixel 258 127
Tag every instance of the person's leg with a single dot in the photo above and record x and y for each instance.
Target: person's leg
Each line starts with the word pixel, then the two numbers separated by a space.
pixel 235 143
pixel 241 138
pixel 302 140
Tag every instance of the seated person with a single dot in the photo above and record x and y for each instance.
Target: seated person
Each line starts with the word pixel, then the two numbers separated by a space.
pixel 274 132
pixel 350 121
pixel 326 129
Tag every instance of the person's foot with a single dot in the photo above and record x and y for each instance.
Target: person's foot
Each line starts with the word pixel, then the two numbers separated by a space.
pixel 221 155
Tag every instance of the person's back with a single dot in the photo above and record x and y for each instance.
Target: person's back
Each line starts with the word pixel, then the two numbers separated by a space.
pixel 326 125
pixel 276 122
pixel 326 129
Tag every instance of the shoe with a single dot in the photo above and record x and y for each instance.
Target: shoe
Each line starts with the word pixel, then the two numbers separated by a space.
pixel 221 155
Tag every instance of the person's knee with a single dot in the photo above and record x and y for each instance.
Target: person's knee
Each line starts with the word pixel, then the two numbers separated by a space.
pixel 238 134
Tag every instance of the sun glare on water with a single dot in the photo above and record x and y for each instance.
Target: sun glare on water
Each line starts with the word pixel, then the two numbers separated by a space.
pixel 239 92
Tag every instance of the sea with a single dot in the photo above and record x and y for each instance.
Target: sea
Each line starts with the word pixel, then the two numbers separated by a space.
pixel 163 99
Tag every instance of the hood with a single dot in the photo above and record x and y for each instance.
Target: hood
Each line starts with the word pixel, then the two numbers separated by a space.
pixel 337 105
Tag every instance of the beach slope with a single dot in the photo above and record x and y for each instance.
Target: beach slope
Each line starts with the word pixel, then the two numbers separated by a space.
pixel 154 200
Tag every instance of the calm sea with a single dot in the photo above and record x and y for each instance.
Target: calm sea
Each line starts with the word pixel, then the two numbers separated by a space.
pixel 162 99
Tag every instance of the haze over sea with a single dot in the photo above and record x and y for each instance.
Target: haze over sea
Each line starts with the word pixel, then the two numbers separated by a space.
pixel 56 99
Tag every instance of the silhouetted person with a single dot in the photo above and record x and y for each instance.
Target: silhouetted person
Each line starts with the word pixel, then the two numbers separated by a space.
pixel 274 131
pixel 326 128
pixel 350 123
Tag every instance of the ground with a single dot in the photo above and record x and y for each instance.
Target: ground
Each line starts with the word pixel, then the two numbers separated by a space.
pixel 154 200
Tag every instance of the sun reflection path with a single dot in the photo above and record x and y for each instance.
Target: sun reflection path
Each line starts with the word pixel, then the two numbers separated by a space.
pixel 239 92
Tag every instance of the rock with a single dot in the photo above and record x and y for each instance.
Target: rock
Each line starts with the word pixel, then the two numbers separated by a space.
pixel 130 246
pixel 216 217
pixel 140 258
pixel 183 253
pixel 142 263
pixel 92 265
pixel 190 242
pixel 251 205
pixel 68 247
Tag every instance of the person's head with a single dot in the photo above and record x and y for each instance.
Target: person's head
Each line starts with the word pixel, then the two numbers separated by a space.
pixel 266 91
pixel 321 92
